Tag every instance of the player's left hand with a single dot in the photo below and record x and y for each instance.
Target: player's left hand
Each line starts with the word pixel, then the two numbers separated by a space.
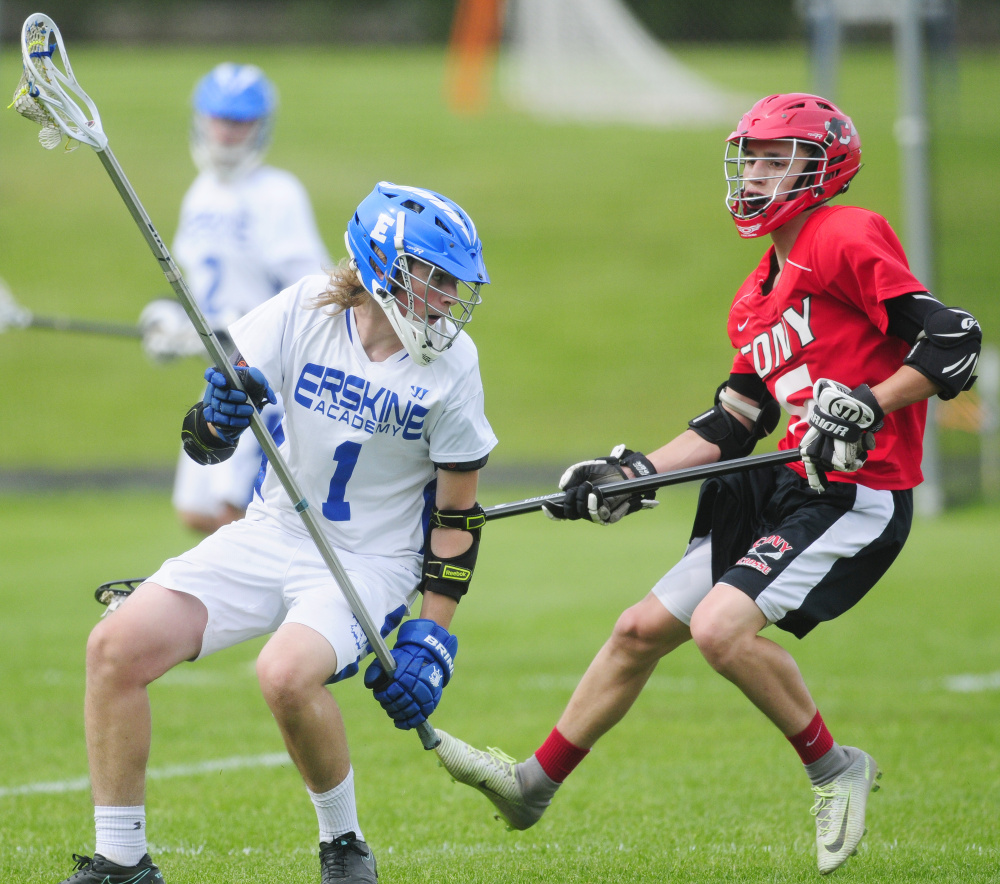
pixel 842 427
pixel 583 500
pixel 229 409
pixel 425 659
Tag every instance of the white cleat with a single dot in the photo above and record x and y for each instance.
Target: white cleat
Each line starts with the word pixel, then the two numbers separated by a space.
pixel 840 812
pixel 493 773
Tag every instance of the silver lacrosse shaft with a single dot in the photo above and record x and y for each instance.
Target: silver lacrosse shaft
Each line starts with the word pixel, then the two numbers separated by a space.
pixel 428 736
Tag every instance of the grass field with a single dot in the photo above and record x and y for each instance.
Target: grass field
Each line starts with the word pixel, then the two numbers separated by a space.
pixel 694 786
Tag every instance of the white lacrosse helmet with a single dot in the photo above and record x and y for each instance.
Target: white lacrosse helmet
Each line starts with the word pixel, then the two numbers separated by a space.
pixel 233 117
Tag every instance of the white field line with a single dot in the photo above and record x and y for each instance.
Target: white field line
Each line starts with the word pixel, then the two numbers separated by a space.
pixel 971 684
pixel 82 784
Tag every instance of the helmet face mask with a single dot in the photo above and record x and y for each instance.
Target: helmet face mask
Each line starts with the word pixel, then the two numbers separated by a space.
pixel 815 131
pixel 232 120
pixel 418 254
pixel 761 181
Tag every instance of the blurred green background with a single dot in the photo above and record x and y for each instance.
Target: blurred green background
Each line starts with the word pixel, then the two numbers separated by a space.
pixel 612 256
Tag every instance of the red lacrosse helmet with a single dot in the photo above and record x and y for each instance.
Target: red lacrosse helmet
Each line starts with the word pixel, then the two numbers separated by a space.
pixel 818 132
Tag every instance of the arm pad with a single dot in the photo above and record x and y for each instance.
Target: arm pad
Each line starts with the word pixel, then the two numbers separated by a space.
pixel 199 443
pixel 947 350
pixel 723 429
pixel 451 576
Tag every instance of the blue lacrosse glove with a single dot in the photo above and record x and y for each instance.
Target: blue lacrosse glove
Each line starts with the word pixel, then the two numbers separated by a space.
pixel 424 653
pixel 228 409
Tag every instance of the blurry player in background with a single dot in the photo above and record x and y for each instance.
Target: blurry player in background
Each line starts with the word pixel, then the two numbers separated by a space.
pixel 246 232
pixel 832 327
pixel 384 427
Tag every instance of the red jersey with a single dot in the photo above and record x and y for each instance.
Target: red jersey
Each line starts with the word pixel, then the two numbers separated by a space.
pixel 826 318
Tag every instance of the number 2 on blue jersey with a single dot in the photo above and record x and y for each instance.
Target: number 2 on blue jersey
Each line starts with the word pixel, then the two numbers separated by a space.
pixel 336 508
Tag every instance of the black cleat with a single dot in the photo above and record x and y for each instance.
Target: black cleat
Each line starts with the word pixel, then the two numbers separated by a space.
pixel 347 859
pixel 98 870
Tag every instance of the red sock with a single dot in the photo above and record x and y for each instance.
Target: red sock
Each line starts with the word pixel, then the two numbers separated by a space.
pixel 814 742
pixel 558 756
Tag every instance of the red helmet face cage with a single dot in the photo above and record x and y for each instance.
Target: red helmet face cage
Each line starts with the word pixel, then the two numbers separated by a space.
pixel 817 131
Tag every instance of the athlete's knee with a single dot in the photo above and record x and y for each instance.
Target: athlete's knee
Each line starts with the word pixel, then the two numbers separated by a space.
pixel 720 639
pixel 645 633
pixel 286 679
pixel 116 654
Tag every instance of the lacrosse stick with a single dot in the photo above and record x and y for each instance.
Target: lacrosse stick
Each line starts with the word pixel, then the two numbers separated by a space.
pixel 15 315
pixel 51 98
pixel 647 483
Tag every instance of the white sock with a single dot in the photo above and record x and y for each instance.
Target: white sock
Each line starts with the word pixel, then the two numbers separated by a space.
pixel 336 810
pixel 121 834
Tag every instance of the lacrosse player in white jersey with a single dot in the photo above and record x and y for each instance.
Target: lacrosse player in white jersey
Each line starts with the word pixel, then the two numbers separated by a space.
pixel 385 431
pixel 246 232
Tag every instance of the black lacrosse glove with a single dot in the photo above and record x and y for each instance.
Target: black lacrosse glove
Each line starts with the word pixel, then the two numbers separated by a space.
pixel 228 409
pixel 842 427
pixel 582 500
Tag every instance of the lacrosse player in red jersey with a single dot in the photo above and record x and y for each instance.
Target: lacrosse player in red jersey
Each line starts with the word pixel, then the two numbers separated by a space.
pixel 833 328
pixel 384 426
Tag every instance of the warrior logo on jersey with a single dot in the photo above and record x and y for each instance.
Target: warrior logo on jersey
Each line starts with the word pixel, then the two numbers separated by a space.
pixel 772 547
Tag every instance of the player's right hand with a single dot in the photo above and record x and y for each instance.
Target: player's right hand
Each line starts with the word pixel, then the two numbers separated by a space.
pixel 425 659
pixel 228 409
pixel 582 500
pixel 167 332
pixel 842 427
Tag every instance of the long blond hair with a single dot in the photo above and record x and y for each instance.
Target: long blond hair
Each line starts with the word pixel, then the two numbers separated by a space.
pixel 343 291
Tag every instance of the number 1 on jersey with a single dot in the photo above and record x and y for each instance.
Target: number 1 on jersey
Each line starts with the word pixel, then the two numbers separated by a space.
pixel 336 508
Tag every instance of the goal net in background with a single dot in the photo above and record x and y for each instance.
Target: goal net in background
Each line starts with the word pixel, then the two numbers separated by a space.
pixel 578 60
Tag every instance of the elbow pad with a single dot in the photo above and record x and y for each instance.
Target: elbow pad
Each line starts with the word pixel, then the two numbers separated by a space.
pixel 947 350
pixel 452 575
pixel 723 429
pixel 199 443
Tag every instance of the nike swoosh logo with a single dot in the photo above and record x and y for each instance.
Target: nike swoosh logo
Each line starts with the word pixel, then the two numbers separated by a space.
pixel 743 324
pixel 814 739
pixel 834 846
pixel 482 785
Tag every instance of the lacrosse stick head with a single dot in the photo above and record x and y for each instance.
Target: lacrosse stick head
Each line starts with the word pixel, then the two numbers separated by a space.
pixel 48 93
pixel 114 592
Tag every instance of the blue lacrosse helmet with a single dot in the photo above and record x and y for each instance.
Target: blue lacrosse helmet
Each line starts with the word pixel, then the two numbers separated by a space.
pixel 234 107
pixel 419 255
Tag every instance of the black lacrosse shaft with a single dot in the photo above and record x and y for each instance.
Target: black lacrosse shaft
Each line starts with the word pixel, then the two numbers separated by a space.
pixel 86 326
pixel 647 483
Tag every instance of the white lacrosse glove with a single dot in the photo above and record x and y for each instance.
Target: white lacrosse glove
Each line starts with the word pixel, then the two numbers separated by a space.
pixel 842 427
pixel 167 332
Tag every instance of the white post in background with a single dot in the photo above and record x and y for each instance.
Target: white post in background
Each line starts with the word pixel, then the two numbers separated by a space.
pixel 827 20
pixel 912 135
pixel 988 387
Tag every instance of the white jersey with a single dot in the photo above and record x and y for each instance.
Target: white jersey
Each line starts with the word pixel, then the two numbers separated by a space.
pixel 240 242
pixel 360 437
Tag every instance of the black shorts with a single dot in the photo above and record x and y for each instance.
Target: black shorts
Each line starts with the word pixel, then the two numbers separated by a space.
pixel 803 557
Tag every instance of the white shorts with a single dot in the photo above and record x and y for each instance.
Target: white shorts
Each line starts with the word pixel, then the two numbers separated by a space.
pixel 252 576
pixel 208 489
pixel 683 587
